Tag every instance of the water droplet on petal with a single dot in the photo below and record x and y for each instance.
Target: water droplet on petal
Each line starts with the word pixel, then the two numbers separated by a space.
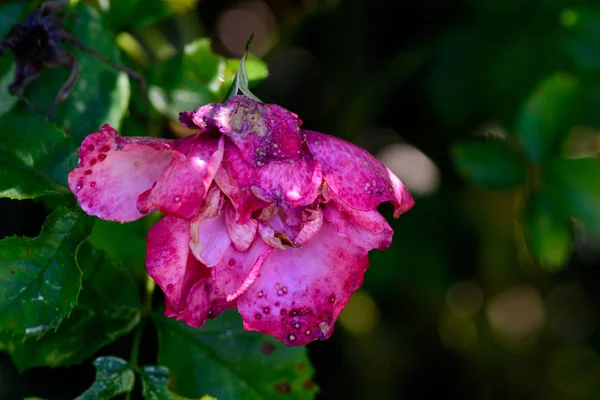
pixel 92 184
pixel 261 294
pixel 292 338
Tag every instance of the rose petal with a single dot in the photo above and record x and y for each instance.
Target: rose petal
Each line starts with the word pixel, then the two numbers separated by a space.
pixel 113 171
pixel 264 133
pixel 182 186
pixel 366 229
pixel 202 302
pixel 301 291
pixel 168 261
pixel 355 176
pixel 291 185
pixel 239 269
pixel 241 235
pixel 209 238
pixel 244 201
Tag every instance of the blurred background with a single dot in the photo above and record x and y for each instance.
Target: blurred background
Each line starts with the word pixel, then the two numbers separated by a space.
pixel 472 300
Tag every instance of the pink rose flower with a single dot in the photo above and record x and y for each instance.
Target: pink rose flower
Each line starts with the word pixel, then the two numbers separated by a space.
pixel 259 214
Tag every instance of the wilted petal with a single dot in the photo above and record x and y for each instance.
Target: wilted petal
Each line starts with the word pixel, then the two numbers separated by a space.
pixel 182 186
pixel 241 235
pixel 202 302
pixel 291 184
pixel 244 201
pixel 263 133
pixel 301 291
pixel 239 269
pixel 113 171
pixel 355 176
pixel 169 263
pixel 366 229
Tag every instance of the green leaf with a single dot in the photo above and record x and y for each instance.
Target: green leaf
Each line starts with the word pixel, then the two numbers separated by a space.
pixel 548 116
pixel 101 94
pixel 113 377
pixel 154 384
pixel 548 231
pixel 197 78
pixel 35 158
pixel 108 308
pixel 7 73
pixel 229 362
pixel 39 277
pixel 240 81
pixel 583 36
pixel 136 14
pixel 492 164
pixel 577 184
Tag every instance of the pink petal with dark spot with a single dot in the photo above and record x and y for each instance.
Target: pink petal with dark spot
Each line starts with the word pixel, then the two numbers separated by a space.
pixel 181 188
pixel 355 176
pixel 168 261
pixel 202 302
pixel 289 184
pixel 113 171
pixel 264 133
pixel 239 269
pixel 187 284
pixel 241 235
pixel 366 229
pixel 301 291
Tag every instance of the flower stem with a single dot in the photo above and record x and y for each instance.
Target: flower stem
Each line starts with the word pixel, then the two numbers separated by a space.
pixel 137 340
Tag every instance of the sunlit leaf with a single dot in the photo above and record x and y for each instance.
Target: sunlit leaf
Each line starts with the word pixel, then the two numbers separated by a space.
pixel 548 231
pixel 229 362
pixel 39 277
pixel 113 377
pixel 35 158
pixel 577 184
pixel 491 164
pixel 548 116
pixel 105 311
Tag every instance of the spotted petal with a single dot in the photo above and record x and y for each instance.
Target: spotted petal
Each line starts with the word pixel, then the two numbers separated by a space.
pixel 182 186
pixel 291 184
pixel 263 133
pixel 357 178
pixel 301 291
pixel 113 171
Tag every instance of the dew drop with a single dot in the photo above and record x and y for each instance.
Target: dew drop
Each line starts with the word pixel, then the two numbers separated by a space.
pixel 101 157
pixel 170 286
pixel 284 289
pixel 297 325
pixel 177 199
pixel 79 185
pixel 283 311
pixel 105 148
pixel 307 332
pixel 266 310
pixel 260 294
pixel 292 338
pixel 258 316
pixel 92 184
pixel 332 299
